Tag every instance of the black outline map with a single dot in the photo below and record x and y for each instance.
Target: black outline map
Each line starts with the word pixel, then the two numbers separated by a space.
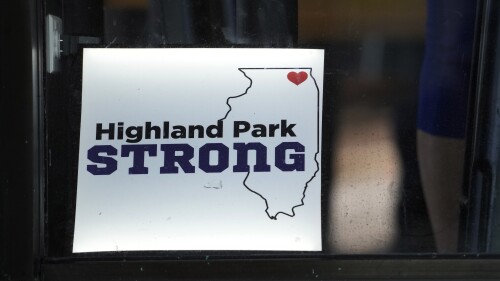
pixel 317 137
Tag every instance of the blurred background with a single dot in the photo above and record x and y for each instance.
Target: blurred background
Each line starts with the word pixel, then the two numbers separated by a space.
pixel 376 50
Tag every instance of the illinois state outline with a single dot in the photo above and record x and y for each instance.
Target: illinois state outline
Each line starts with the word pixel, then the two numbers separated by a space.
pixel 292 97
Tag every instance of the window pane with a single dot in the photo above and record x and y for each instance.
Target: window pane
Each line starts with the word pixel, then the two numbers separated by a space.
pixel 395 97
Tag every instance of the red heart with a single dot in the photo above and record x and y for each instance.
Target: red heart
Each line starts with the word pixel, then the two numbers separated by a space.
pixel 297 78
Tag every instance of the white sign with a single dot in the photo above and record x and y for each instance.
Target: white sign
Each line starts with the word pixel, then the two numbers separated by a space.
pixel 200 149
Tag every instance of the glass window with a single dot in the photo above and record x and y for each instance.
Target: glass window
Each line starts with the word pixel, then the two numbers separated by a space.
pixel 396 90
pixel 409 125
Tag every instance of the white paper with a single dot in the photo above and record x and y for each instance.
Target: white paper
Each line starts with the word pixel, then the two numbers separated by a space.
pixel 208 204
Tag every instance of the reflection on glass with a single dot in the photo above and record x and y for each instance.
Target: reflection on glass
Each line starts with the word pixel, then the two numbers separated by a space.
pixel 376 203
pixel 374 186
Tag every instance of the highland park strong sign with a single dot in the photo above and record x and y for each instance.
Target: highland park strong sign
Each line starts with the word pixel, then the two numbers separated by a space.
pixel 200 149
